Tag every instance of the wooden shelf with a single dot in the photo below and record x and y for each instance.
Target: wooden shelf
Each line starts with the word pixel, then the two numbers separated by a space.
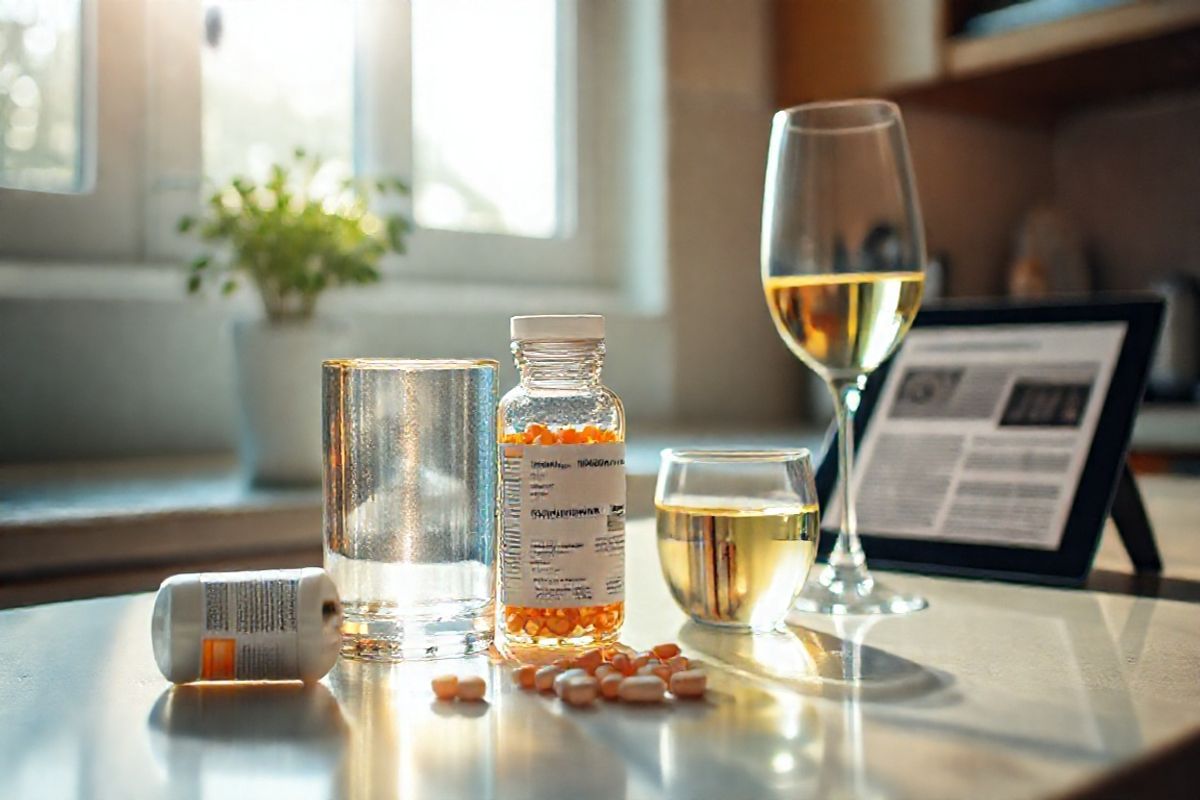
pixel 1028 75
pixel 1041 91
pixel 970 57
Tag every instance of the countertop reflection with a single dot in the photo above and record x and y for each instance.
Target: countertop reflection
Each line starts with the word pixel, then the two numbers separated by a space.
pixel 996 690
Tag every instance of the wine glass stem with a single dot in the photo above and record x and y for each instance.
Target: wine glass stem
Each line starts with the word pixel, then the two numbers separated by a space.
pixel 847 560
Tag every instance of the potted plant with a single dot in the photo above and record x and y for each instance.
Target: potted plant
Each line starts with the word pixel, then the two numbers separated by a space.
pixel 291 242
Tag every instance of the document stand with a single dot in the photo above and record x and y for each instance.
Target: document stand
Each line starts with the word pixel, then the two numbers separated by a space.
pixel 1105 487
pixel 1129 515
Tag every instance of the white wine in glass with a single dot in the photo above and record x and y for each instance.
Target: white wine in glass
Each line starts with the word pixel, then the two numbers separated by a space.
pixel 843 257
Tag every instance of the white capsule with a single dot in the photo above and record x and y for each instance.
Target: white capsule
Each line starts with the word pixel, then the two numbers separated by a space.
pixel 580 691
pixel 543 679
pixel 560 680
pixel 642 689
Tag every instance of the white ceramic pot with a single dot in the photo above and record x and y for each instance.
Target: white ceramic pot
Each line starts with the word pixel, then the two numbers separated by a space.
pixel 279 393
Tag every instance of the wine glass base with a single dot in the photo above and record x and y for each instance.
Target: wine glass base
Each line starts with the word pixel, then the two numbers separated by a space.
pixel 828 595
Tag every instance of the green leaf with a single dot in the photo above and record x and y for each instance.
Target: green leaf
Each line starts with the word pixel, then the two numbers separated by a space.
pixel 193 284
pixel 396 228
pixel 200 262
pixel 186 223
pixel 228 287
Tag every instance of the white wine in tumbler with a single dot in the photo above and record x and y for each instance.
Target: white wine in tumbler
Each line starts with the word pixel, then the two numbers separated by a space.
pixel 844 324
pixel 734 562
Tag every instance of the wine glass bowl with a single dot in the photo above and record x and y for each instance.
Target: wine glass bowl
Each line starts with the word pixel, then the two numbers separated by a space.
pixel 843 258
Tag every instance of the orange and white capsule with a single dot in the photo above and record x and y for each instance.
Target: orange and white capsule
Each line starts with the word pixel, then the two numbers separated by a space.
pixel 689 683
pixel 523 675
pixel 610 685
pixel 471 688
pixel 589 660
pixel 665 650
pixel 445 687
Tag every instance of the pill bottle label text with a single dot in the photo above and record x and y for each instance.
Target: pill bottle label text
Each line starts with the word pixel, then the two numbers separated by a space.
pixel 563 526
pixel 250 626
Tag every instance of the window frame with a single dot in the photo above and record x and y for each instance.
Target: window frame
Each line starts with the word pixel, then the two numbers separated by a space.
pixel 103 216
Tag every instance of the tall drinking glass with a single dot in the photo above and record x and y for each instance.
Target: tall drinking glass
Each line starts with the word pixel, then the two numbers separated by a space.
pixel 410 504
pixel 843 254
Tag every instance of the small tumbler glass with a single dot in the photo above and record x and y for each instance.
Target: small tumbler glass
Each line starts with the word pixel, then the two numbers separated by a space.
pixel 410 504
pixel 737 533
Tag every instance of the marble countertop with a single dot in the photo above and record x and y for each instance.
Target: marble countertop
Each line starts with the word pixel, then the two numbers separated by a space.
pixel 995 691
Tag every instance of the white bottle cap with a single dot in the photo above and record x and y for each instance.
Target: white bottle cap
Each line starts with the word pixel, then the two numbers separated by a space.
pixel 558 327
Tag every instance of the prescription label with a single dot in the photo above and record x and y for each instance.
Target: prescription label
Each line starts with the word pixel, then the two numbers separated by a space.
pixel 563 525
pixel 250 626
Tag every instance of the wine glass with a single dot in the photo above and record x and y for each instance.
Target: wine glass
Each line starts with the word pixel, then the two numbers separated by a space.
pixel 843 254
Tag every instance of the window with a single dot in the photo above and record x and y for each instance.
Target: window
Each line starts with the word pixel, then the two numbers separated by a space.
pixel 476 105
pixel 261 102
pixel 41 95
pixel 486 128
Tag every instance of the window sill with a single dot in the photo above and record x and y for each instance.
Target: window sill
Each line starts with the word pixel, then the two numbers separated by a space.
pixel 164 283
pixel 72 530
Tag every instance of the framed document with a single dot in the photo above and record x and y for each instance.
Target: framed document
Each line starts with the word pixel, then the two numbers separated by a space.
pixel 992 442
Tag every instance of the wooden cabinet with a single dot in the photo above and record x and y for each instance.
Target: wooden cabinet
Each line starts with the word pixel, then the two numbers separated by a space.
pixel 906 50
pixel 826 49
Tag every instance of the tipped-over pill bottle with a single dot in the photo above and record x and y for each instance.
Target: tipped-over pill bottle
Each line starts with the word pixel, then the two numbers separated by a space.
pixel 562 465
pixel 268 625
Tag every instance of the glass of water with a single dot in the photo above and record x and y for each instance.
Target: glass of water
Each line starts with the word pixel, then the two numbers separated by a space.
pixel 410 504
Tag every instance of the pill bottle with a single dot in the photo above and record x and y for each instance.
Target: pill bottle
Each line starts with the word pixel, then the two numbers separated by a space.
pixel 279 624
pixel 562 467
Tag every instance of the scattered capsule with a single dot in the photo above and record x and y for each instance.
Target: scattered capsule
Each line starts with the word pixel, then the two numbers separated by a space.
pixel 543 679
pixel 665 650
pixel 661 670
pixel 445 687
pixel 560 680
pixel 689 683
pixel 677 664
pixel 610 685
pixel 623 664
pixel 589 660
pixel 524 675
pixel 642 689
pixel 579 690
pixel 471 688
pixel 642 659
